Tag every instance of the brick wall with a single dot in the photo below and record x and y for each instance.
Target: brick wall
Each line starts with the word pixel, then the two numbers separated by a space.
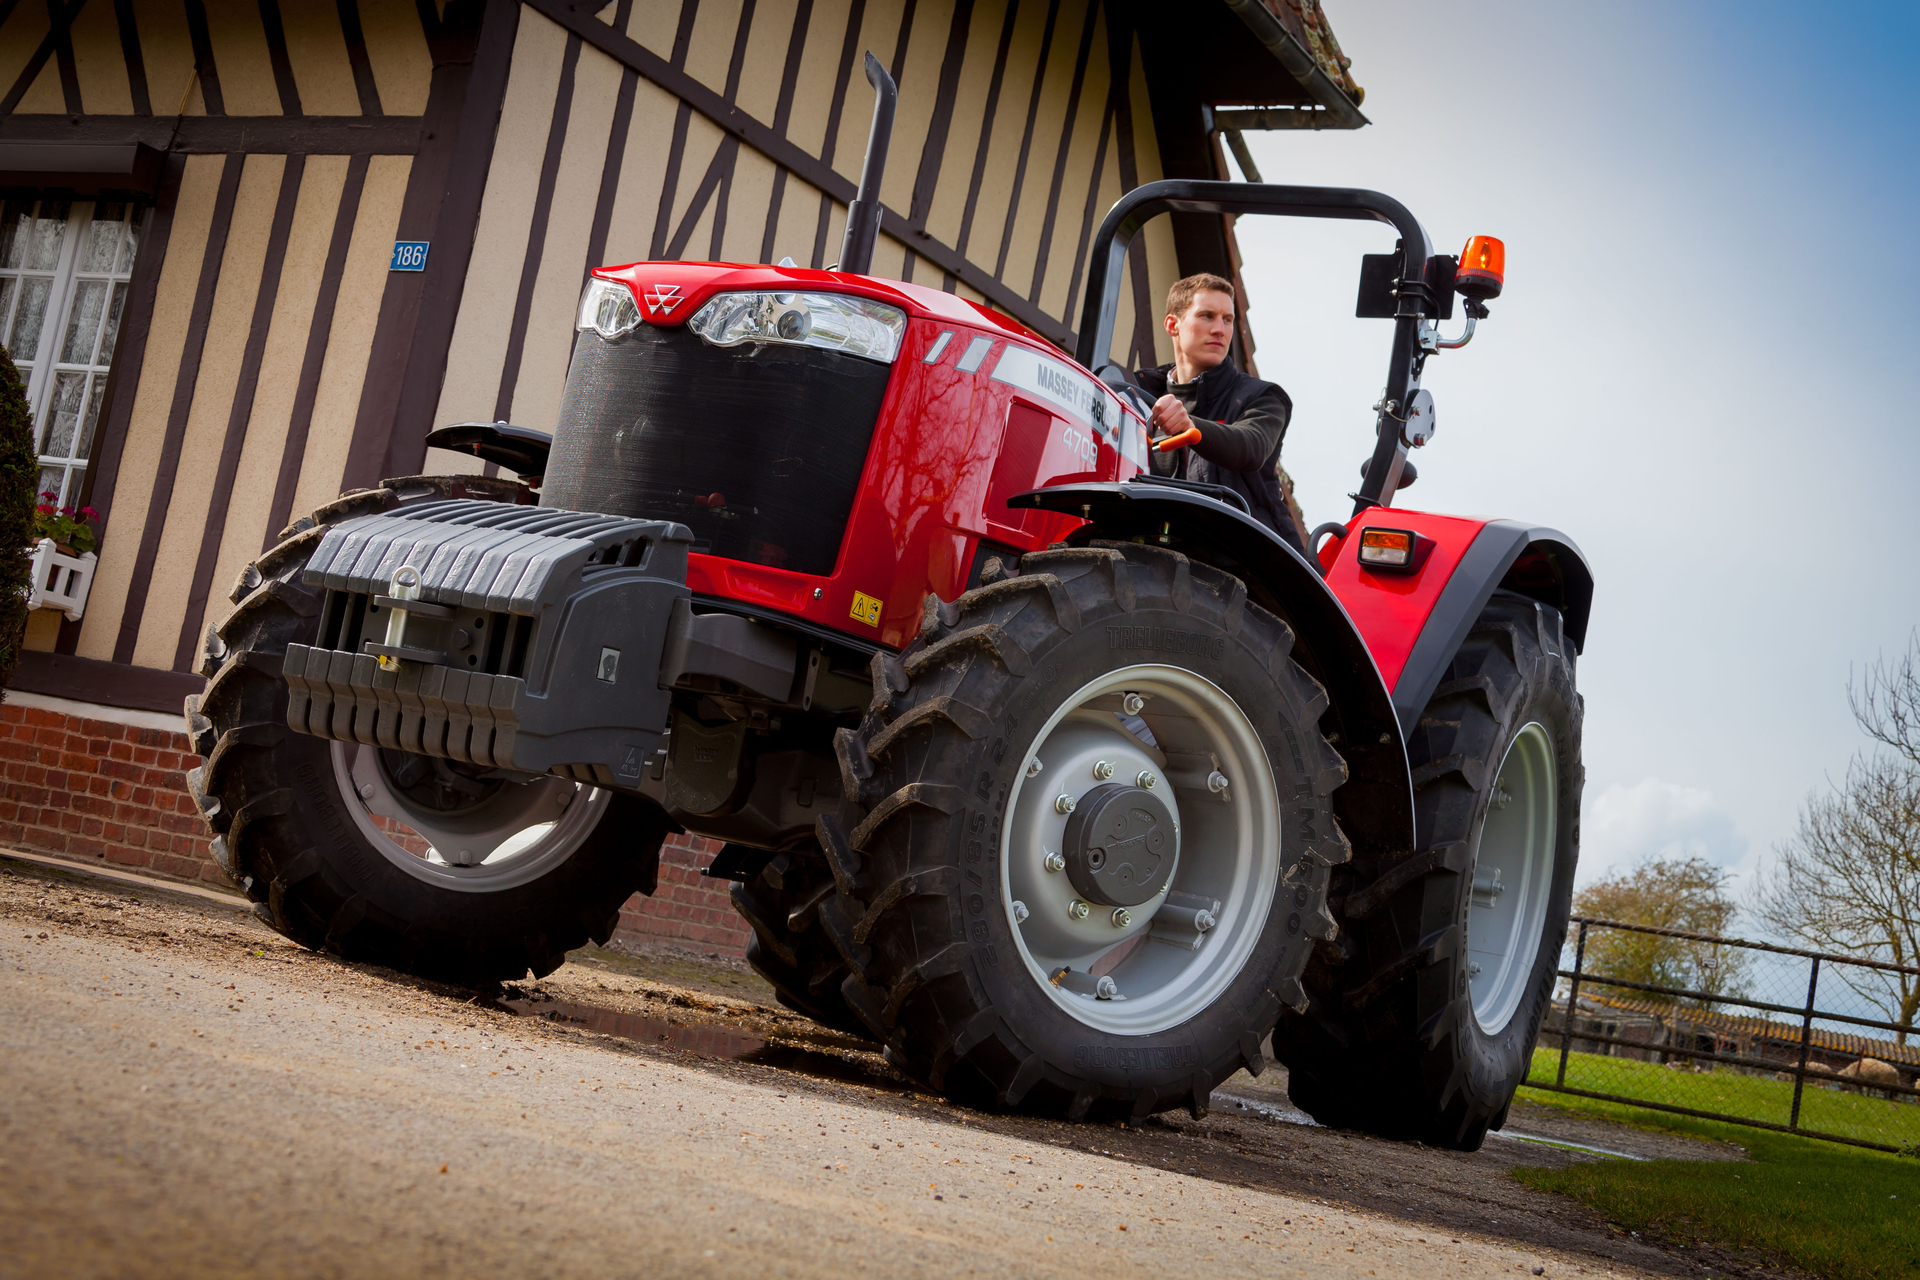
pixel 101 790
pixel 94 789
pixel 686 907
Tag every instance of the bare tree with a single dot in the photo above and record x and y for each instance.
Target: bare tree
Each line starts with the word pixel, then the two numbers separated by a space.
pixel 1689 894
pixel 1849 879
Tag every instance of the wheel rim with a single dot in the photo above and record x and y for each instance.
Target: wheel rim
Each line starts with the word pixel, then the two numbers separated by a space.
pixel 1512 879
pixel 509 833
pixel 1226 848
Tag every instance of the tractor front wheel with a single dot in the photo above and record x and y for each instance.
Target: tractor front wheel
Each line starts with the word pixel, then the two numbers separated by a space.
pixel 432 866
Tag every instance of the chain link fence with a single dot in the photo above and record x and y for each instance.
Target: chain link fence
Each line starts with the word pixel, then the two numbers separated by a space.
pixel 1745 1032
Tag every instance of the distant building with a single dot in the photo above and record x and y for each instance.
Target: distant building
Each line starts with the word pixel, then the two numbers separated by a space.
pixel 1650 1031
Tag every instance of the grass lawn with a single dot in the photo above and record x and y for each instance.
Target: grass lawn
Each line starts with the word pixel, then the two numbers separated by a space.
pixel 1837 1211
pixel 1851 1115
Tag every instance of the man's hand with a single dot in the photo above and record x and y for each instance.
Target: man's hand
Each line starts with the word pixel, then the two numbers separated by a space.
pixel 1170 416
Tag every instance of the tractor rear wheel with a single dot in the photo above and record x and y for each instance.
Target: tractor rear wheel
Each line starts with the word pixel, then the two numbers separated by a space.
pixel 431 866
pixel 1092 828
pixel 1423 1013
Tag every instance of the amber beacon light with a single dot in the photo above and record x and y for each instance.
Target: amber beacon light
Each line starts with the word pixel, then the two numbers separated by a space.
pixel 1483 269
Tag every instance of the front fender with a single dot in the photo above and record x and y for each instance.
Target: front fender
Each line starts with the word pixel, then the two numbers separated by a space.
pixel 1375 806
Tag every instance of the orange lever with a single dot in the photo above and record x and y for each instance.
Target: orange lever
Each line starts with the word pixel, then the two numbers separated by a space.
pixel 1190 436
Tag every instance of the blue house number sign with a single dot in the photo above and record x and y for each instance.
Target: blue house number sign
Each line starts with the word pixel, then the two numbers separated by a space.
pixel 409 255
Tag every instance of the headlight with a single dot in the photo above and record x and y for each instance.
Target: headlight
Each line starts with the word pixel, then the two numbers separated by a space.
pixel 607 307
pixel 831 321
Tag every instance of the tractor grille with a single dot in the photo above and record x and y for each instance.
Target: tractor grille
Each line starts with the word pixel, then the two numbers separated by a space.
pixel 757 449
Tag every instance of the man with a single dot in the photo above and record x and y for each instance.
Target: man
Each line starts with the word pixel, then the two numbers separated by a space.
pixel 1240 419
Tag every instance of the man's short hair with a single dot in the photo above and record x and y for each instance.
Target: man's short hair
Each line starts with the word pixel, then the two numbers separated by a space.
pixel 1180 297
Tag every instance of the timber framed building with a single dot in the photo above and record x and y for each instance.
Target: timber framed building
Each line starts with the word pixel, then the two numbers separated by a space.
pixel 254 250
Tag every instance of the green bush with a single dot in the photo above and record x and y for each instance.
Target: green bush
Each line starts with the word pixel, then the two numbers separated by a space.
pixel 19 485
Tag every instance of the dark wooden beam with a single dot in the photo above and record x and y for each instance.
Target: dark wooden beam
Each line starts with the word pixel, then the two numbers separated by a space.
pixel 213 135
pixel 473 52
pixel 111 684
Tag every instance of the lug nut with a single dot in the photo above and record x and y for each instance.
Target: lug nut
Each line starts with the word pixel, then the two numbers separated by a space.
pixel 1077 910
pixel 1034 766
pixel 1132 703
pixel 1102 770
pixel 1202 921
pixel 1056 862
pixel 1105 988
pixel 1019 912
pixel 1146 781
pixel 1217 782
pixel 1122 917
pixel 1063 804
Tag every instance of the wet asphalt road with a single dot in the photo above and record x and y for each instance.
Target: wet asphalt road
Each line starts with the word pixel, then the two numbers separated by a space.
pixel 188 1094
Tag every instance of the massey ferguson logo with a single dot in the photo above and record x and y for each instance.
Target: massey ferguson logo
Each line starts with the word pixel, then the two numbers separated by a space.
pixel 662 299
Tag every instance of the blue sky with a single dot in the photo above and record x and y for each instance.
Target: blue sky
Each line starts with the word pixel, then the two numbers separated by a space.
pixel 1701 368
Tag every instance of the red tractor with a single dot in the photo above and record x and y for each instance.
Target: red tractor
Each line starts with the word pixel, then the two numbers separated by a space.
pixel 1066 783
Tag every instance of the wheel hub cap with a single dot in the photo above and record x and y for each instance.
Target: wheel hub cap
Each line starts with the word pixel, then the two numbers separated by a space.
pixel 1120 845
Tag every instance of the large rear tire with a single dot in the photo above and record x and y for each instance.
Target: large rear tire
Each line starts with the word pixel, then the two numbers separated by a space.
pixel 493 876
pixel 1011 953
pixel 1424 1011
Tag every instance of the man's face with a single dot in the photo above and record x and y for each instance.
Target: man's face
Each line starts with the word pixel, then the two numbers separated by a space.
pixel 1202 336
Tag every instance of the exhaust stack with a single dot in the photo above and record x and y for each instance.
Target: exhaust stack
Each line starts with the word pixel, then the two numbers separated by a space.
pixel 863 215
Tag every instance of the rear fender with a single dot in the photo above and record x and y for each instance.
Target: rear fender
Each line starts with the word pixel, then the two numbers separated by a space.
pixel 1531 560
pixel 1375 807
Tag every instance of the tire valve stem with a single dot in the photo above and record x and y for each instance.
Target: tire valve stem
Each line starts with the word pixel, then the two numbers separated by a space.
pixel 1055 862
pixel 1077 909
pixel 1085 984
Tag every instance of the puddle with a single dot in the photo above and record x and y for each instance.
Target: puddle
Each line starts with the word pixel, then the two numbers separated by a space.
pixel 1562 1144
pixel 706 1039
pixel 1229 1104
pixel 713 1040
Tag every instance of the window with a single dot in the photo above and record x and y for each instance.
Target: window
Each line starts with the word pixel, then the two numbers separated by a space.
pixel 64 267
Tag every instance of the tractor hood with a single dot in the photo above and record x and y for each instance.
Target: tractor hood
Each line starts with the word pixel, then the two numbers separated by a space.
pixel 668 293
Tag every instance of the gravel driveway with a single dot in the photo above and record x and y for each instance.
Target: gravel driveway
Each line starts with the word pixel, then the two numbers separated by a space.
pixel 188 1093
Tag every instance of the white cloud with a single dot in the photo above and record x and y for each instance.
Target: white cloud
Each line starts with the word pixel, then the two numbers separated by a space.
pixel 1651 818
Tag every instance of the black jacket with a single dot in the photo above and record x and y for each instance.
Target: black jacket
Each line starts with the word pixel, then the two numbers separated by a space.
pixel 1242 423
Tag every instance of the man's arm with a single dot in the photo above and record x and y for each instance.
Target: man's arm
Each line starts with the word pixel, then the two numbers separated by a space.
pixel 1245 445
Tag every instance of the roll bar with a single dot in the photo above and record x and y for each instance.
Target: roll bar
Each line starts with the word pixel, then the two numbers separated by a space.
pixel 1177 195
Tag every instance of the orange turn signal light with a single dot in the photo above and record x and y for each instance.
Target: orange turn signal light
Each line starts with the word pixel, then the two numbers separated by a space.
pixel 1393 549
pixel 1482 270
